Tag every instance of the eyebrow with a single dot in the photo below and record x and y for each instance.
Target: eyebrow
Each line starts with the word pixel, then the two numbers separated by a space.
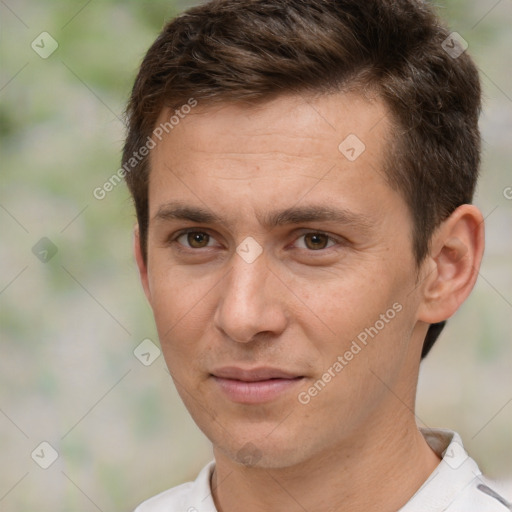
pixel 293 215
pixel 179 211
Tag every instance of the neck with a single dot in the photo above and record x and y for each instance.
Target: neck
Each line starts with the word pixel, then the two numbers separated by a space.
pixel 379 471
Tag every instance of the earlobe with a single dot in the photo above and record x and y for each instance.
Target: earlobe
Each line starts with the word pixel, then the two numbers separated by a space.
pixel 456 253
pixel 141 264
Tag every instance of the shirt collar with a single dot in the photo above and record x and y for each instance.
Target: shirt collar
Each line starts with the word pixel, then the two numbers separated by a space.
pixel 455 472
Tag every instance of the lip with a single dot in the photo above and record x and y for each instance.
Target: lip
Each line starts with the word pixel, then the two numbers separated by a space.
pixel 256 385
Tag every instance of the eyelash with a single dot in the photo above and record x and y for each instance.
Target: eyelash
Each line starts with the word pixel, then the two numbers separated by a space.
pixel 174 239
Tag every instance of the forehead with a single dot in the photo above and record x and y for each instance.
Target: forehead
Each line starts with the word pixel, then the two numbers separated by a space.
pixel 264 153
pixel 317 120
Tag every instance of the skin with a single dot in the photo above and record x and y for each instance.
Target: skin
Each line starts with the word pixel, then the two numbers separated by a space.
pixel 302 302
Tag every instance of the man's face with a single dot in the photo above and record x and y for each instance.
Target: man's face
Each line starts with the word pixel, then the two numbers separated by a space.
pixel 298 256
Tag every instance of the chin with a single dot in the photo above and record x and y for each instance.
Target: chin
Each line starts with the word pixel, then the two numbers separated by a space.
pixel 260 451
pixel 251 456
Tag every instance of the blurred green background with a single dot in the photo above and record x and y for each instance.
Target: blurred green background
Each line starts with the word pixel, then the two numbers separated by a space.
pixel 68 374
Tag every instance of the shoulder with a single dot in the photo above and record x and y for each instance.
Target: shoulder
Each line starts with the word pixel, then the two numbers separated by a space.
pixel 170 500
pixel 457 484
pixel 480 496
pixel 189 497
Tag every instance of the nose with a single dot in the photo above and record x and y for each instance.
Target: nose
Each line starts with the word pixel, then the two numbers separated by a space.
pixel 251 302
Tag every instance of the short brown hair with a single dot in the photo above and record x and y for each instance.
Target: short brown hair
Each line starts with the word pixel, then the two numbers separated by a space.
pixel 254 50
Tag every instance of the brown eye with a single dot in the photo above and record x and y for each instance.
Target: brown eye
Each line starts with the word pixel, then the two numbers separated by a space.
pixel 197 239
pixel 316 241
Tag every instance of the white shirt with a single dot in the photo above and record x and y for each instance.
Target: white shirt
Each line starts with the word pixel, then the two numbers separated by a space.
pixel 456 485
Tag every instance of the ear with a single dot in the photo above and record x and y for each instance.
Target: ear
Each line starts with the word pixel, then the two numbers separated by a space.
pixel 451 269
pixel 141 264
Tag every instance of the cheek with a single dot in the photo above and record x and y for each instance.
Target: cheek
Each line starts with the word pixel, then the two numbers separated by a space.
pixel 366 317
pixel 175 295
pixel 350 300
pixel 180 323
pixel 357 368
pixel 183 311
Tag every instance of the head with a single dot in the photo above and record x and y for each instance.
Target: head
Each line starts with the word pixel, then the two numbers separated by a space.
pixel 391 48
pixel 243 80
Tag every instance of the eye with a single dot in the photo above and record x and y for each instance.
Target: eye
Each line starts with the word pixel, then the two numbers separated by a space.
pixel 195 239
pixel 315 241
